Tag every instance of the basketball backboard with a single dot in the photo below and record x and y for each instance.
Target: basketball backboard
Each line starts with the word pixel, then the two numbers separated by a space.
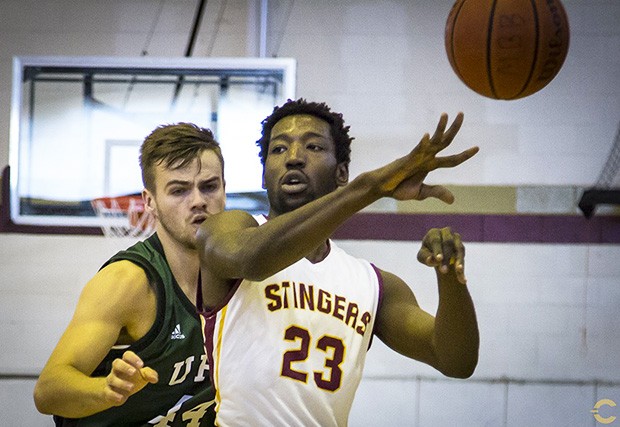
pixel 77 124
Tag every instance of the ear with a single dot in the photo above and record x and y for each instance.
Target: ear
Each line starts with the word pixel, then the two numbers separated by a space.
pixel 149 202
pixel 342 174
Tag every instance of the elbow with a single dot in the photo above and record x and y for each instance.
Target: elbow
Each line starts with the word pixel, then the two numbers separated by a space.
pixel 462 370
pixel 462 373
pixel 468 370
pixel 40 400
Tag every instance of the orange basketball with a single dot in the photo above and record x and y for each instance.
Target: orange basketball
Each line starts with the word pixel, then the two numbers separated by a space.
pixel 507 49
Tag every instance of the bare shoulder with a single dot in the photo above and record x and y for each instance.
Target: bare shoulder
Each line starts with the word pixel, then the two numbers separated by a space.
pixel 397 304
pixel 227 221
pixel 395 289
pixel 123 276
pixel 121 290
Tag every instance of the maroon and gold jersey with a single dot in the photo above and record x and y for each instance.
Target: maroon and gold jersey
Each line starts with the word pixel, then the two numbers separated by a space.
pixel 290 350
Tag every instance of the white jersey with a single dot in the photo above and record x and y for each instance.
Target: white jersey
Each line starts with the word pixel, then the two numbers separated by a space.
pixel 290 350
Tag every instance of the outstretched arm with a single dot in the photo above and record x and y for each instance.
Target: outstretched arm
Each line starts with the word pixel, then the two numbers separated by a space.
pixel 449 342
pixel 118 300
pixel 233 247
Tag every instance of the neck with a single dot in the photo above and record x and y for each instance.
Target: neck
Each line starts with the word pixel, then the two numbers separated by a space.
pixel 184 264
pixel 316 255
pixel 319 253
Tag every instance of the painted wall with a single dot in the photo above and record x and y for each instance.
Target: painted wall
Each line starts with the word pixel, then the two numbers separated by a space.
pixel 548 312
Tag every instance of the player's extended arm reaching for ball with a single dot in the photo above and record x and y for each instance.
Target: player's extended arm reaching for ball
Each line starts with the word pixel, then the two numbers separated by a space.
pixel 233 246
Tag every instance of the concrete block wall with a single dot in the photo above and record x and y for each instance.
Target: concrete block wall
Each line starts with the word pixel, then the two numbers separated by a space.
pixel 548 346
pixel 547 312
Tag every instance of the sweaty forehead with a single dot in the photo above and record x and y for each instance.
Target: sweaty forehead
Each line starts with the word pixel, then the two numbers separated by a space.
pixel 300 124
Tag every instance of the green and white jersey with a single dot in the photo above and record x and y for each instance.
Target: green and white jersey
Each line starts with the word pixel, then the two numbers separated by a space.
pixel 174 347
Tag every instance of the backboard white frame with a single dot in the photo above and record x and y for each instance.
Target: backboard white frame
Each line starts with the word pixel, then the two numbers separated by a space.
pixel 287 66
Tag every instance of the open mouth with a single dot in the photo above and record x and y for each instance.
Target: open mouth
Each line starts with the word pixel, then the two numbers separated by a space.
pixel 294 182
pixel 199 220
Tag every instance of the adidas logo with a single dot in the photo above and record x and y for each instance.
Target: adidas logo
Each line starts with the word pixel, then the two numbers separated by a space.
pixel 176 334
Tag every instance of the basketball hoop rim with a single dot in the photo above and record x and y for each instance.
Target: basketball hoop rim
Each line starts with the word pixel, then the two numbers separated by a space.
pixel 123 216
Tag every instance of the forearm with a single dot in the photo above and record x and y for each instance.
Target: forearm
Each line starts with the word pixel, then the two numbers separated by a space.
pixel 258 252
pixel 70 394
pixel 456 338
pixel 302 230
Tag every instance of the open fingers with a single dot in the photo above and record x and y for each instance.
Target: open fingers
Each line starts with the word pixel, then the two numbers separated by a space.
pixel 443 138
pixel 437 192
pixel 441 127
pixel 456 125
pixel 456 159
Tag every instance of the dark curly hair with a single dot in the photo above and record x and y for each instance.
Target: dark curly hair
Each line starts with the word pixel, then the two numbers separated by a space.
pixel 340 132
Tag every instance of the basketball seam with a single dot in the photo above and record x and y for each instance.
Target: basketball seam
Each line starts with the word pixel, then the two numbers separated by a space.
pixel 454 21
pixel 536 50
pixel 489 46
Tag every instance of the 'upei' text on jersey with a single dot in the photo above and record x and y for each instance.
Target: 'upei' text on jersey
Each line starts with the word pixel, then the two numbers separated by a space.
pixel 290 350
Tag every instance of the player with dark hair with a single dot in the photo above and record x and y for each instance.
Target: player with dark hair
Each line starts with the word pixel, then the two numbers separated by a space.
pixel 289 315
pixel 133 353
pixel 339 131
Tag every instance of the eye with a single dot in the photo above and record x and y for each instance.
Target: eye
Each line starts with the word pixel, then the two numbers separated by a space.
pixel 177 191
pixel 210 187
pixel 314 147
pixel 277 149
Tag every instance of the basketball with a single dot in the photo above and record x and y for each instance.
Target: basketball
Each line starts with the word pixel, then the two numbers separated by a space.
pixel 507 49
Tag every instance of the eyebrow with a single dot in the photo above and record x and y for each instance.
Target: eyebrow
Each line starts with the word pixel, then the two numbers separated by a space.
pixel 185 183
pixel 285 136
pixel 176 182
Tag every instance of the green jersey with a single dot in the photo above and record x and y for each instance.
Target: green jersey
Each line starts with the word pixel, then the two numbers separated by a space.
pixel 174 347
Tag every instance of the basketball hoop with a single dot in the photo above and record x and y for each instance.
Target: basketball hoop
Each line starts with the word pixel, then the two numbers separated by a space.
pixel 124 216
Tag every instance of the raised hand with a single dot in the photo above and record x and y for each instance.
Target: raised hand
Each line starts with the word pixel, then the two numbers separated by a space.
pixel 127 377
pixel 403 179
pixel 444 250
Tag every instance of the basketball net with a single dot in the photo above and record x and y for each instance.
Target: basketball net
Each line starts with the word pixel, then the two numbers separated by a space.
pixel 124 216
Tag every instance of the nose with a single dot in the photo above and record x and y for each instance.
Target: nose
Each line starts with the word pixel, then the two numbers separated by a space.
pixel 198 199
pixel 296 155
